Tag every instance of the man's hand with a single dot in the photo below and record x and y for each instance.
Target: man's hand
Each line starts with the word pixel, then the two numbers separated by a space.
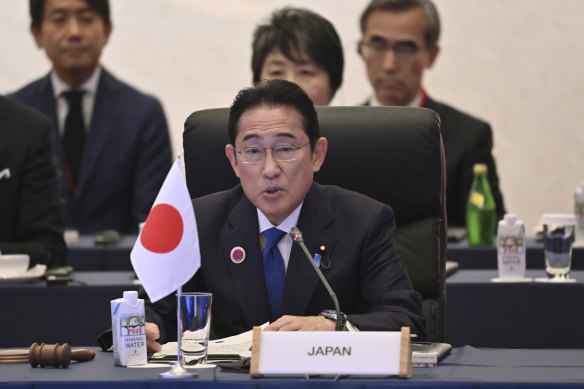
pixel 301 323
pixel 152 334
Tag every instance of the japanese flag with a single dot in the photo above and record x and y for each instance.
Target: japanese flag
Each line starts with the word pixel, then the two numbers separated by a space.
pixel 166 254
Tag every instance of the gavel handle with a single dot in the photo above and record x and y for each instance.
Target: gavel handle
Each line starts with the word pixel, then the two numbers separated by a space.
pixel 82 355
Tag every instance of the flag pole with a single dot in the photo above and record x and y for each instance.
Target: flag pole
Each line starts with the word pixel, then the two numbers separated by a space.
pixel 178 370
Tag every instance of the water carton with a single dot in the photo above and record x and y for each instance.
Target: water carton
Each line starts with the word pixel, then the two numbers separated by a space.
pixel 129 330
pixel 511 248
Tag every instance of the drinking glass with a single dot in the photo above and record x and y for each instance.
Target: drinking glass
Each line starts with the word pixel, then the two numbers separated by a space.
pixel 195 325
pixel 558 232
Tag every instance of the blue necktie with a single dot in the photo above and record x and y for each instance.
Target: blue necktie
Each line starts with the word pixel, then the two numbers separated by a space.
pixel 274 271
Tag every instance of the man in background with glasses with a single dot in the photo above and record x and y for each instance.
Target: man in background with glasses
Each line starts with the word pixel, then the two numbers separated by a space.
pixel 399 42
pixel 275 149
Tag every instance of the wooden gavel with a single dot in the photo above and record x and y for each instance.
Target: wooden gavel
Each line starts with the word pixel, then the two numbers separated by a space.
pixel 47 355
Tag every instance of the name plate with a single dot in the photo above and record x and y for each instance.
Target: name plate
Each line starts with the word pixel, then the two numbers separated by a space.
pixel 369 353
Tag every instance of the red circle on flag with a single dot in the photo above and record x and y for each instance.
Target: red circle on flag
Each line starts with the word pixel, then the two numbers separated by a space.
pixel 163 229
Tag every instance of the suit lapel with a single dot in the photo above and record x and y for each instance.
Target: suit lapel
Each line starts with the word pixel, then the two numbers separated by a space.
pixel 301 279
pixel 102 127
pixel 242 230
pixel 46 99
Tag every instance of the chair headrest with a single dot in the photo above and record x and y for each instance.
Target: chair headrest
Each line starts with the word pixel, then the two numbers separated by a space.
pixel 392 154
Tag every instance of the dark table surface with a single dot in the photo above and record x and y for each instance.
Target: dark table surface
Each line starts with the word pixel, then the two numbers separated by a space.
pixel 87 255
pixel 483 313
pixel 75 313
pixel 465 367
pixel 480 313
pixel 485 257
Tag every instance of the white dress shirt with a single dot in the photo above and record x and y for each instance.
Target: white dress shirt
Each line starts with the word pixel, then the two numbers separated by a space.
pixel 90 88
pixel 285 244
pixel 373 102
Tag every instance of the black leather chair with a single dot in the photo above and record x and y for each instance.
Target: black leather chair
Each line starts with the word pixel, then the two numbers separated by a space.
pixel 393 154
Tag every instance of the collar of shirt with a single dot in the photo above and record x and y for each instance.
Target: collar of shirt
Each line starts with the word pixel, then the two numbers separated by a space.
pixel 285 244
pixel 416 102
pixel 90 88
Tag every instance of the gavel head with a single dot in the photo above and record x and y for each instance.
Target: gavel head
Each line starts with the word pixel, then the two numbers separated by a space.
pixel 49 355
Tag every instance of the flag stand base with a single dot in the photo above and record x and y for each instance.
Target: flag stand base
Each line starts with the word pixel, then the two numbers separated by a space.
pixel 178 372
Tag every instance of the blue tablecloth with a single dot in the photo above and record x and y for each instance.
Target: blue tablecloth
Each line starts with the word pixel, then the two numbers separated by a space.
pixel 74 313
pixel 479 312
pixel 514 315
pixel 86 255
pixel 465 367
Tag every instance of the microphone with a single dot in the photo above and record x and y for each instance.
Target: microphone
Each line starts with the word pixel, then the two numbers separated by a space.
pixel 297 237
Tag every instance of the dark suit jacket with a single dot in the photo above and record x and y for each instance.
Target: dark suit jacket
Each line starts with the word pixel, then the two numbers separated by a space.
pixel 365 273
pixel 127 155
pixel 30 209
pixel 467 141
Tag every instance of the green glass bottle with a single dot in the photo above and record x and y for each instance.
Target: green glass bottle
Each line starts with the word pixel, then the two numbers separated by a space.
pixel 481 216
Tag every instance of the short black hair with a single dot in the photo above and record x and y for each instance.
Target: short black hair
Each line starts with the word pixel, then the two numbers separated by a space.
pixel 297 31
pixel 275 94
pixel 432 32
pixel 37 8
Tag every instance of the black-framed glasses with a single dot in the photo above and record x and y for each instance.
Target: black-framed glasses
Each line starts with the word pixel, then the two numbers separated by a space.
pixel 256 154
pixel 377 49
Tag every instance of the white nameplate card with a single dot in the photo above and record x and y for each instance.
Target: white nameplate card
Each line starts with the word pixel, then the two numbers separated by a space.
pixel 364 353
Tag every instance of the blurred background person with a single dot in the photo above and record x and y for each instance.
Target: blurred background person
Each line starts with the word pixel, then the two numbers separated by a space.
pixel 299 46
pixel 114 148
pixel 399 42
pixel 30 208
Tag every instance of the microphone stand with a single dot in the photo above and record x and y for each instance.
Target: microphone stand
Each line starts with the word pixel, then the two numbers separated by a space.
pixel 297 237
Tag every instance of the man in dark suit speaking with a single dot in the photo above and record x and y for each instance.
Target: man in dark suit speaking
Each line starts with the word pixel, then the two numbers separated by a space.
pixel 114 149
pixel 399 42
pixel 275 149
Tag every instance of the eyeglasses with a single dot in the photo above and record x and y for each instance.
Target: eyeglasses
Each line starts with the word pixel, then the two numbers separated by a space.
pixel 282 153
pixel 403 50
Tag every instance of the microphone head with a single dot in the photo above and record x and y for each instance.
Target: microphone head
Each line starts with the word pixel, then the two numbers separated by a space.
pixel 296 234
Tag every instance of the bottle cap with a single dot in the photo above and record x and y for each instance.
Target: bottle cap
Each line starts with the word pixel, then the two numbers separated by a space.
pixel 479 168
pixel 130 295
pixel 510 219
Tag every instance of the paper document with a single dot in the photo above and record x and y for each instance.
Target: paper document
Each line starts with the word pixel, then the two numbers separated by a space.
pixel 239 345
pixel 428 354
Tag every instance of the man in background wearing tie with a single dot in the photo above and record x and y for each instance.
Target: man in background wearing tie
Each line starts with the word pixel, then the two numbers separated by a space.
pixel 399 42
pixel 114 150
pixel 248 259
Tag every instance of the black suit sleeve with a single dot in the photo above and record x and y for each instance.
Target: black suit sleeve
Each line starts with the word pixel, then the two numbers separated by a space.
pixel 482 152
pixel 467 141
pixel 486 156
pixel 386 292
pixel 163 312
pixel 36 225
pixel 153 161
